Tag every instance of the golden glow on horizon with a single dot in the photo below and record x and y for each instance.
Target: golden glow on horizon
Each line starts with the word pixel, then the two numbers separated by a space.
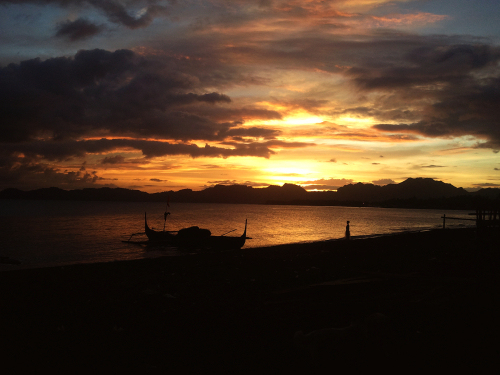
pixel 291 172
pixel 290 121
pixel 353 121
pixel 302 120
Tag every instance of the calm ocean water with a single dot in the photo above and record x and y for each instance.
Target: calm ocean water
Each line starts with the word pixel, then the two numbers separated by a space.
pixel 52 233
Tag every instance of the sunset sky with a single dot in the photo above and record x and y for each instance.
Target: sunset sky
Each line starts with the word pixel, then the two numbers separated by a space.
pixel 166 95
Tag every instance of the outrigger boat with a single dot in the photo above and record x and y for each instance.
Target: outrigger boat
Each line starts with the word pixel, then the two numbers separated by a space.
pixel 194 237
pixel 158 236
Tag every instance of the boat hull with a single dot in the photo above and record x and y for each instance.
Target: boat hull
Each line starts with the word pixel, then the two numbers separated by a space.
pixel 194 237
pixel 157 236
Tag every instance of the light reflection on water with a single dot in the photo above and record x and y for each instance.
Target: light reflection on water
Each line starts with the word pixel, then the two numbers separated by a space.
pixel 45 233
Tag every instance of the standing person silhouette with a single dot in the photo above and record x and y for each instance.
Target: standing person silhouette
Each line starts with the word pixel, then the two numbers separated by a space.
pixel 347 232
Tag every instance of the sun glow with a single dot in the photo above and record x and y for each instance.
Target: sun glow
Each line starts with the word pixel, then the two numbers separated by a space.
pixel 303 120
pixel 356 121
pixel 292 120
pixel 287 174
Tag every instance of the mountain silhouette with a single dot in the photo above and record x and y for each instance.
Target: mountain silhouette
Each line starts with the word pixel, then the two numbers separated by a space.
pixel 420 188
pixel 413 192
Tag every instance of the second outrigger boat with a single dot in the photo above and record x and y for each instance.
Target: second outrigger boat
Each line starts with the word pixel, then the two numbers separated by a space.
pixel 194 237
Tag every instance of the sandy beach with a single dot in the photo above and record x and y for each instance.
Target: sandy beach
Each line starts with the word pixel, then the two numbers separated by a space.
pixel 414 302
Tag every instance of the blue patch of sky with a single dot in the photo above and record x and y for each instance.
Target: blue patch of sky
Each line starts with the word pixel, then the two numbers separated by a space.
pixel 24 28
pixel 28 31
pixel 467 17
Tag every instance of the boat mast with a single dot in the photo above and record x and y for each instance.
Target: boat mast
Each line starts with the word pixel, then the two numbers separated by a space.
pixel 165 215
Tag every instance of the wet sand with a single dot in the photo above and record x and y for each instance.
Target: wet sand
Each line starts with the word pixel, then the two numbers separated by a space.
pixel 404 303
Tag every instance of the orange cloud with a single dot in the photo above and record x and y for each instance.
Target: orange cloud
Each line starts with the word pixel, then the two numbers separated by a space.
pixel 415 19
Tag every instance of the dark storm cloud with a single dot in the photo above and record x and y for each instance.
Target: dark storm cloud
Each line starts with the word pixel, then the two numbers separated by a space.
pixel 66 149
pixel 218 113
pixel 461 81
pixel 254 132
pixel 427 65
pixel 78 29
pixel 31 174
pixel 116 11
pixel 155 149
pixel 466 110
pixel 99 91
pixel 211 98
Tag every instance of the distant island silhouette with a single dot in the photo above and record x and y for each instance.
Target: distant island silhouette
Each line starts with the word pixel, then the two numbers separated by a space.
pixel 411 193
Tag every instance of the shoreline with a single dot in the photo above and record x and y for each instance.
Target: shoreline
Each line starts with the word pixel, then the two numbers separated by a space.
pixel 239 311
pixel 8 263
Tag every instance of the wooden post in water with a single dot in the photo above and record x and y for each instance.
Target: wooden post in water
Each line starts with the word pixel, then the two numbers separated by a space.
pixel 444 221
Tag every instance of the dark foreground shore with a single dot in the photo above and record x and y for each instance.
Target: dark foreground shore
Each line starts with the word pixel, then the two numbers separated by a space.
pixel 409 303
